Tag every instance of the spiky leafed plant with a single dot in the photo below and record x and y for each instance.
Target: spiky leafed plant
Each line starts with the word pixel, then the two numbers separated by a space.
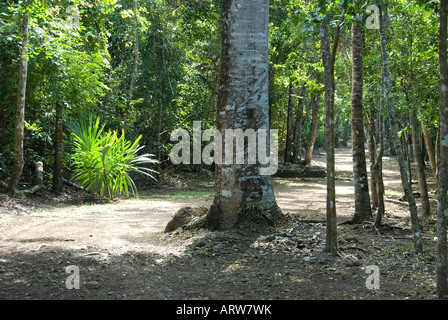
pixel 103 160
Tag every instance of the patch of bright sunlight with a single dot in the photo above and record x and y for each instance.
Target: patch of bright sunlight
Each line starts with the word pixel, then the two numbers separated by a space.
pixel 184 195
pixel 73 211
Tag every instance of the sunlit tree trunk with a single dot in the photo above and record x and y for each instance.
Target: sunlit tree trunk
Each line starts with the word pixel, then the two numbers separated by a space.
pixel 363 211
pixel 243 197
pixel 442 284
pixel 20 107
pixel 331 225
pixel 313 128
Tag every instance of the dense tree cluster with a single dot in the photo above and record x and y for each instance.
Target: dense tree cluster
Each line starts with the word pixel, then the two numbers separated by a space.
pixel 337 71
pixel 152 66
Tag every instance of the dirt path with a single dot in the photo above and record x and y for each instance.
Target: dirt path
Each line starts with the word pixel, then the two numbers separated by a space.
pixel 125 223
pixel 124 254
pixel 306 197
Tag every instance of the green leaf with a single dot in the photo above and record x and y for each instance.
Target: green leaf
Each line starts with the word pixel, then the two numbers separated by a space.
pixel 103 160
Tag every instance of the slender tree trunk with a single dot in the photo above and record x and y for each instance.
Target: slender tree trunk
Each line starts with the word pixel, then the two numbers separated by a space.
pixel 346 131
pixel 136 51
pixel 298 129
pixel 159 82
pixel 373 160
pixel 290 125
pixel 420 166
pixel 408 153
pixel 331 225
pixel 442 266
pixel 313 128
pixel 20 107
pixel 430 150
pixel 134 71
pixel 418 246
pixel 363 211
pixel 243 197
pixel 58 151
pixel 378 167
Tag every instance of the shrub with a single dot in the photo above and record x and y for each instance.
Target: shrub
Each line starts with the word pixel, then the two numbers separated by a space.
pixel 103 160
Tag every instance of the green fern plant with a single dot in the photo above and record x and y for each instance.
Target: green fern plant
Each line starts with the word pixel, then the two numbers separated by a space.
pixel 103 160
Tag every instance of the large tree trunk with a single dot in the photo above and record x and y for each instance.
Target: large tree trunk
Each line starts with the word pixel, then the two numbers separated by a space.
pixel 290 126
pixel 20 108
pixel 313 128
pixel 363 211
pixel 418 246
pixel 331 225
pixel 58 151
pixel 243 197
pixel 442 284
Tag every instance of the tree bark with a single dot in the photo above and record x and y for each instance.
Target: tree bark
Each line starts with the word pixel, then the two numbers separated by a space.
pixel 378 166
pixel 363 211
pixel 298 129
pixel 243 197
pixel 159 83
pixel 430 149
pixel 373 160
pixel 418 246
pixel 136 51
pixel 58 184
pixel 331 219
pixel 442 282
pixel 135 69
pixel 418 160
pixel 20 108
pixel 290 126
pixel 313 128
pixel 346 131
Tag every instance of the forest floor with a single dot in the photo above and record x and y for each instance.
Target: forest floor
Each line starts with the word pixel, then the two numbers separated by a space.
pixel 122 252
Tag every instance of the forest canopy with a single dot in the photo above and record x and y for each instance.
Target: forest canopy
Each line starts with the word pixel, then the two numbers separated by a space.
pixel 151 68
